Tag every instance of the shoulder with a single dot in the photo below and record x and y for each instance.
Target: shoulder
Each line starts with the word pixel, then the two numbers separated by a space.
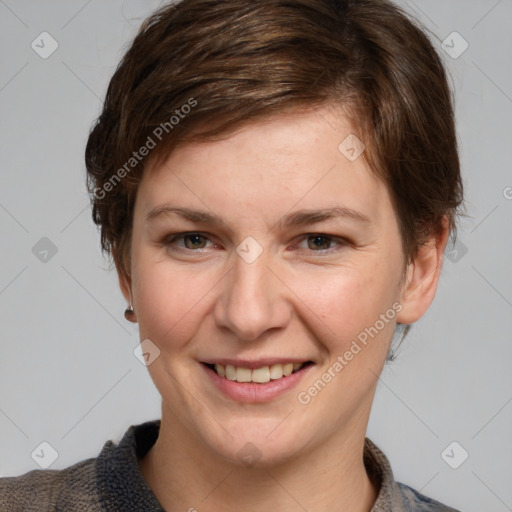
pixel 414 501
pixel 70 489
pixel 395 496
pixel 113 479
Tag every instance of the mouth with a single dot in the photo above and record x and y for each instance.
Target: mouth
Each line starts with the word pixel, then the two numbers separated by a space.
pixel 261 375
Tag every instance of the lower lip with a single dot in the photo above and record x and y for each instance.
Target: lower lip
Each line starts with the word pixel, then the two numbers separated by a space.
pixel 252 392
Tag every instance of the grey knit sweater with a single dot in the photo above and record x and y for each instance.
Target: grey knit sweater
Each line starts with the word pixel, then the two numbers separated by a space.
pixel 113 482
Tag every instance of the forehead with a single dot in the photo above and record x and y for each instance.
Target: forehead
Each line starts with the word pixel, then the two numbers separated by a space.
pixel 303 159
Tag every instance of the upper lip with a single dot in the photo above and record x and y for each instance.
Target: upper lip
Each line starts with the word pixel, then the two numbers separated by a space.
pixel 254 363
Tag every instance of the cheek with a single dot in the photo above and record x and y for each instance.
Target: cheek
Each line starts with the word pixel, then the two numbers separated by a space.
pixel 349 303
pixel 169 301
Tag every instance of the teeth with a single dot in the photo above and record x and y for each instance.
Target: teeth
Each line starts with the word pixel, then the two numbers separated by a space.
pixel 260 375
pixel 230 372
pixel 220 370
pixel 276 371
pixel 287 369
pixel 243 375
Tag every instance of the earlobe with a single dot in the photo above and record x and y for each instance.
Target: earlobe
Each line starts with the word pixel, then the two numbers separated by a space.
pixel 422 277
pixel 125 286
pixel 129 314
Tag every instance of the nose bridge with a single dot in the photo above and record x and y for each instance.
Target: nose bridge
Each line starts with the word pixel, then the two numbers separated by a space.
pixel 251 302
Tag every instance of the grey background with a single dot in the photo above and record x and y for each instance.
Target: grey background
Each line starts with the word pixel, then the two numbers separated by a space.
pixel 68 375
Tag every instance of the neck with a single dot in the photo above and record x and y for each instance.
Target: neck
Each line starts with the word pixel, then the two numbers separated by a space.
pixel 184 475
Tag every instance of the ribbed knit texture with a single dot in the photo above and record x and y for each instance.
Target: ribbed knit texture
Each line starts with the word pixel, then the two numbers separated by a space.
pixel 113 482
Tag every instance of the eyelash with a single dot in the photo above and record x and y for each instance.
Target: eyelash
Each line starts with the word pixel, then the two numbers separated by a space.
pixel 169 241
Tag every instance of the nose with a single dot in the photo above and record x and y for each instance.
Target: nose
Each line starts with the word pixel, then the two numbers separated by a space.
pixel 252 300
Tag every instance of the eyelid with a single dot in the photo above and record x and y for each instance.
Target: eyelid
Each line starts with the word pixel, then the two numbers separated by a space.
pixel 340 242
pixel 170 240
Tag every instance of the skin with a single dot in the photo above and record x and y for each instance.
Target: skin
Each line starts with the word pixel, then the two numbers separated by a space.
pixel 197 299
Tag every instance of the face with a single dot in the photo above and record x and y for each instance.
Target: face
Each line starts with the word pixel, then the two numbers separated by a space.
pixel 252 253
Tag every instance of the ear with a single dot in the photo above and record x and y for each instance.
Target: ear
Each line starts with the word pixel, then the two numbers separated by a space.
pixel 423 274
pixel 125 284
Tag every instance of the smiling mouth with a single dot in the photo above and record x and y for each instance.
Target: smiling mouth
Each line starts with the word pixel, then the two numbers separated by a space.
pixel 257 375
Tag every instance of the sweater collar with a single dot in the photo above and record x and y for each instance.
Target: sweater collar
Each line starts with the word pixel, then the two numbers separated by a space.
pixel 120 482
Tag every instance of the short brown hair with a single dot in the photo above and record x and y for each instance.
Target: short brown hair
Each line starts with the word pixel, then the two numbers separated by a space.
pixel 235 61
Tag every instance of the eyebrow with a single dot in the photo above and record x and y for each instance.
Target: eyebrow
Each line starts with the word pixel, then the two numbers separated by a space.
pixel 297 218
pixel 302 217
pixel 199 217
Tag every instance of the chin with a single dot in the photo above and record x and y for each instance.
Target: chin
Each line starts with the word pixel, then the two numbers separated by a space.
pixel 255 444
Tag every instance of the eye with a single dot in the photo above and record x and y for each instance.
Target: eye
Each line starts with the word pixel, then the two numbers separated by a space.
pixel 320 242
pixel 191 241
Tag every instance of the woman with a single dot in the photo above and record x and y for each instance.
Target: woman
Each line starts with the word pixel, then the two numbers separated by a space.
pixel 276 183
